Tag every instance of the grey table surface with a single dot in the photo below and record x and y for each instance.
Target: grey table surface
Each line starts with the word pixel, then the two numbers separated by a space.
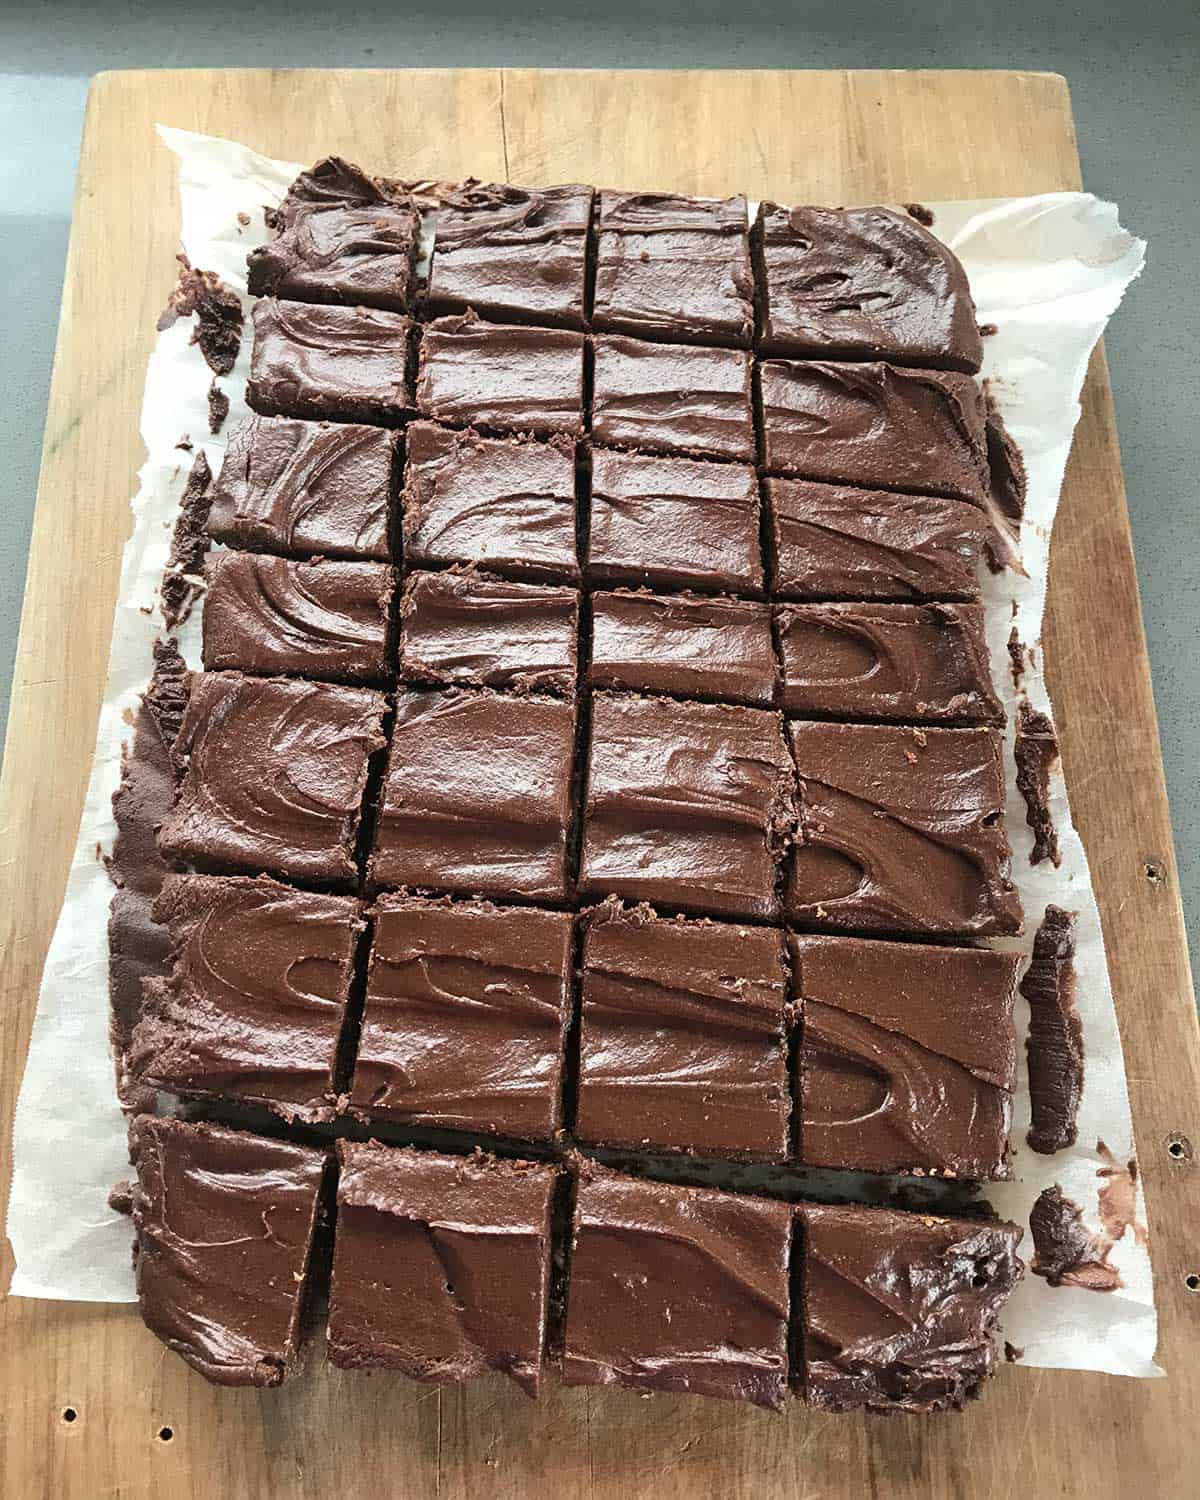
pixel 1131 68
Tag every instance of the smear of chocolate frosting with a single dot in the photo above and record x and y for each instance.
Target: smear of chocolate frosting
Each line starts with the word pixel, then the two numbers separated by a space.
pixel 1054 1047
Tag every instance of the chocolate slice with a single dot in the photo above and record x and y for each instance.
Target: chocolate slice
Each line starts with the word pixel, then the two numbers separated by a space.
pixel 304 489
pixel 464 627
pixel 275 776
pixel 683 645
pixel 1054 1045
pixel 507 504
pixel 681 1043
pixel 343 362
pixel 688 805
pixel 674 523
pixel 917 664
pixel 672 398
pixel 677 1289
pixel 501 377
pixel 907 1058
pixel 674 268
pixel 836 542
pixel 312 619
pixel 253 1005
pixel 875 425
pixel 465 1018
pixel 901 831
pixel 900 1310
pixel 477 795
pixel 864 283
pixel 517 255
pixel 441 1265
pixel 224 1225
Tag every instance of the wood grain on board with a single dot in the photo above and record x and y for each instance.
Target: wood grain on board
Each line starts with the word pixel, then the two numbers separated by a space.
pixel 144 1424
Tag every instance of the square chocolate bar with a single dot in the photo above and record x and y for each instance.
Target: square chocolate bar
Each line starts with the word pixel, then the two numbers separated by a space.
pixel 349 363
pixel 466 1015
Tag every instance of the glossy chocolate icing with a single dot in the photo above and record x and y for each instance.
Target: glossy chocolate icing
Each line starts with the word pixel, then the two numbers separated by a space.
pixel 477 795
pixel 313 619
pixel 911 663
pixel 907 1059
pixel 1054 1046
pixel 1036 753
pixel 674 268
pixel 304 489
pixel 688 805
pixel 836 542
pixel 681 1044
pixel 326 361
pixel 253 1005
pixel 682 644
pixel 900 1309
pixel 901 831
pixel 673 523
pixel 876 426
pixel 275 773
pixel 864 283
pixel 441 1265
pixel 501 377
pixel 340 237
pixel 466 1015
pixel 677 1289
pixel 224 1224
pixel 513 254
pixel 505 503
pixel 460 626
pixel 669 398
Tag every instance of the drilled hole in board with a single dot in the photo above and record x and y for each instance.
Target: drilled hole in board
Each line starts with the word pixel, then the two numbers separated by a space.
pixel 165 1434
pixel 69 1414
pixel 1179 1148
pixel 1192 1282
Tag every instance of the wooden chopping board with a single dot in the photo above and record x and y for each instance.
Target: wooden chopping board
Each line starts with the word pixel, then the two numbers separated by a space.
pixel 141 1423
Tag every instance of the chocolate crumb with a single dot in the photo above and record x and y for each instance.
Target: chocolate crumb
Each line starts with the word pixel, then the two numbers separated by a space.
pixel 218 408
pixel 1065 1251
pixel 1036 754
pixel 1013 1352
pixel 243 218
pixel 986 330
pixel 919 212
pixel 189 543
pixel 186 444
pixel 1054 1047
pixel 218 312
pixel 120 1199
pixel 1018 655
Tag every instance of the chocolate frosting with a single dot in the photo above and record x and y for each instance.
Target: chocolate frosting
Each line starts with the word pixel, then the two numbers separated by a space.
pixel 461 626
pixel 224 1225
pixel 501 377
pixel 877 426
pixel 919 664
pixel 340 237
pixel 275 775
pixel 253 1005
pixel 666 398
pixel 682 1036
pixel 465 1019
pixel 908 1057
pixel 673 523
pixel 304 489
pixel 441 1265
pixel 677 1289
pixel 864 283
pixel 900 1309
pixel 515 254
pixel 189 543
pixel 683 645
pixel 477 796
pixel 1065 1251
pixel 688 805
pixel 834 542
pixel 1036 753
pixel 507 504
pixel 138 947
pixel 319 619
pixel 315 361
pixel 901 831
pixel 1054 1046
pixel 674 268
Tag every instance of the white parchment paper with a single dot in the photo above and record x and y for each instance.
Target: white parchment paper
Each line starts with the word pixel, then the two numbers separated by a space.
pixel 1049 272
